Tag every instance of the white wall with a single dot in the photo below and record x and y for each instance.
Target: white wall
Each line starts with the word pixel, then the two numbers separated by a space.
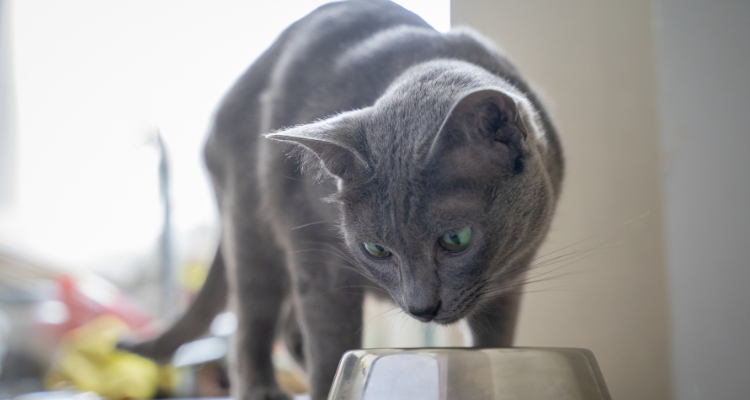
pixel 594 61
pixel 653 102
pixel 703 58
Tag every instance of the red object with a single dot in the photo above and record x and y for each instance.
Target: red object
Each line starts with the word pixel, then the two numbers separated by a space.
pixel 89 297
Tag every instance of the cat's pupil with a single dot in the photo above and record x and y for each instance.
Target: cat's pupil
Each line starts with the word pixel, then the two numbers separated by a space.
pixel 377 250
pixel 453 236
pixel 456 241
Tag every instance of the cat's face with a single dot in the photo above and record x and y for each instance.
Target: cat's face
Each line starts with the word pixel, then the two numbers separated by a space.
pixel 442 232
pixel 437 219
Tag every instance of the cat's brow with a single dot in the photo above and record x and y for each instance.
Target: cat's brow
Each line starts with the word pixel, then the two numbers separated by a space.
pixel 458 205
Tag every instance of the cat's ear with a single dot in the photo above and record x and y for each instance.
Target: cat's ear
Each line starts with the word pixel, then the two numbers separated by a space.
pixel 483 132
pixel 336 144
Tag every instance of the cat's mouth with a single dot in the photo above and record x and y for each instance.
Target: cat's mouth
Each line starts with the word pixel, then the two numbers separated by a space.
pixel 442 318
pixel 447 320
pixel 452 318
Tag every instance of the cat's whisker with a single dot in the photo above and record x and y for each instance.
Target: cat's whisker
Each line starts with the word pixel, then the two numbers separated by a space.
pixel 393 318
pixel 569 261
pixel 382 315
pixel 292 178
pixel 328 263
pixel 565 257
pixel 568 258
pixel 514 293
pixel 314 223
pixel 519 293
pixel 529 282
pixel 365 287
pixel 350 266
pixel 479 322
pixel 598 234
pixel 337 250
pixel 337 254
pixel 513 284
pixel 525 280
pixel 405 320
pixel 353 267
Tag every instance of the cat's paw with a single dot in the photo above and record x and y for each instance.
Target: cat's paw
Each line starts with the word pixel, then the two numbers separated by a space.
pixel 266 394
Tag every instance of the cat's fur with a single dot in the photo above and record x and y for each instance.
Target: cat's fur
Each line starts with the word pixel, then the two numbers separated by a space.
pixel 411 133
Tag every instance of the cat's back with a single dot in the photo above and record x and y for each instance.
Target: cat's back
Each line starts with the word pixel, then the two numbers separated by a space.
pixel 343 56
pixel 340 57
pixel 277 89
pixel 301 62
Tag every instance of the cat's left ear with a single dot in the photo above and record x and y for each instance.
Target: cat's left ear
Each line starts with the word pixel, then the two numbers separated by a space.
pixel 337 143
pixel 483 132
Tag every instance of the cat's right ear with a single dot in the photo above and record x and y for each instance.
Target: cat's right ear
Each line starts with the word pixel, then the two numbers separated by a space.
pixel 336 146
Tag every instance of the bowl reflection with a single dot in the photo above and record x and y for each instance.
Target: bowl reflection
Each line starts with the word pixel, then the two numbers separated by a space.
pixel 469 374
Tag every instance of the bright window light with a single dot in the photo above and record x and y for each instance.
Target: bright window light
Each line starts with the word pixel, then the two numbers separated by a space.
pixel 93 80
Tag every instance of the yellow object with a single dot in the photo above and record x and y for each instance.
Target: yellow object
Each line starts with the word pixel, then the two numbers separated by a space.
pixel 89 361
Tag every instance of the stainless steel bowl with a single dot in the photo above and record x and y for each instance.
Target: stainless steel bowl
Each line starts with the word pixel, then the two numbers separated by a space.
pixel 469 374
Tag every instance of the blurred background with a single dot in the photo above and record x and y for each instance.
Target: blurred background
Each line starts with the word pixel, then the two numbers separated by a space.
pixel 107 222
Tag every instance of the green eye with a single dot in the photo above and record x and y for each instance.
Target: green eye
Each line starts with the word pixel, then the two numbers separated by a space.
pixel 456 242
pixel 377 250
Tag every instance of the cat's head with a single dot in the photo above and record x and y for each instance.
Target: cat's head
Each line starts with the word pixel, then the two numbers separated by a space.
pixel 442 186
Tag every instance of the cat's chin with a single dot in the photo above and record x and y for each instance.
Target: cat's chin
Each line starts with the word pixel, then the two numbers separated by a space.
pixel 448 320
pixel 439 319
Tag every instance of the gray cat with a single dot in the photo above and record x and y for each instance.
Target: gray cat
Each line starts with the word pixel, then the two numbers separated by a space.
pixel 364 150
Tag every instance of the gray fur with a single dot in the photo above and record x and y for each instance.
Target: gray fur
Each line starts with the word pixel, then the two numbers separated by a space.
pixel 410 133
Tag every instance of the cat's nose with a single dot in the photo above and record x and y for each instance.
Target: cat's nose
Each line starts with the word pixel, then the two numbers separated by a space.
pixel 425 313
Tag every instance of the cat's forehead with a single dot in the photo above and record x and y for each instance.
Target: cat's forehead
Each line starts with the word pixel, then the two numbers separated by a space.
pixel 404 125
pixel 395 203
pixel 456 202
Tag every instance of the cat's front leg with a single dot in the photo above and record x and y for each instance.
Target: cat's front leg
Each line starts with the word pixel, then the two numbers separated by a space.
pixel 494 323
pixel 329 301
pixel 257 285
